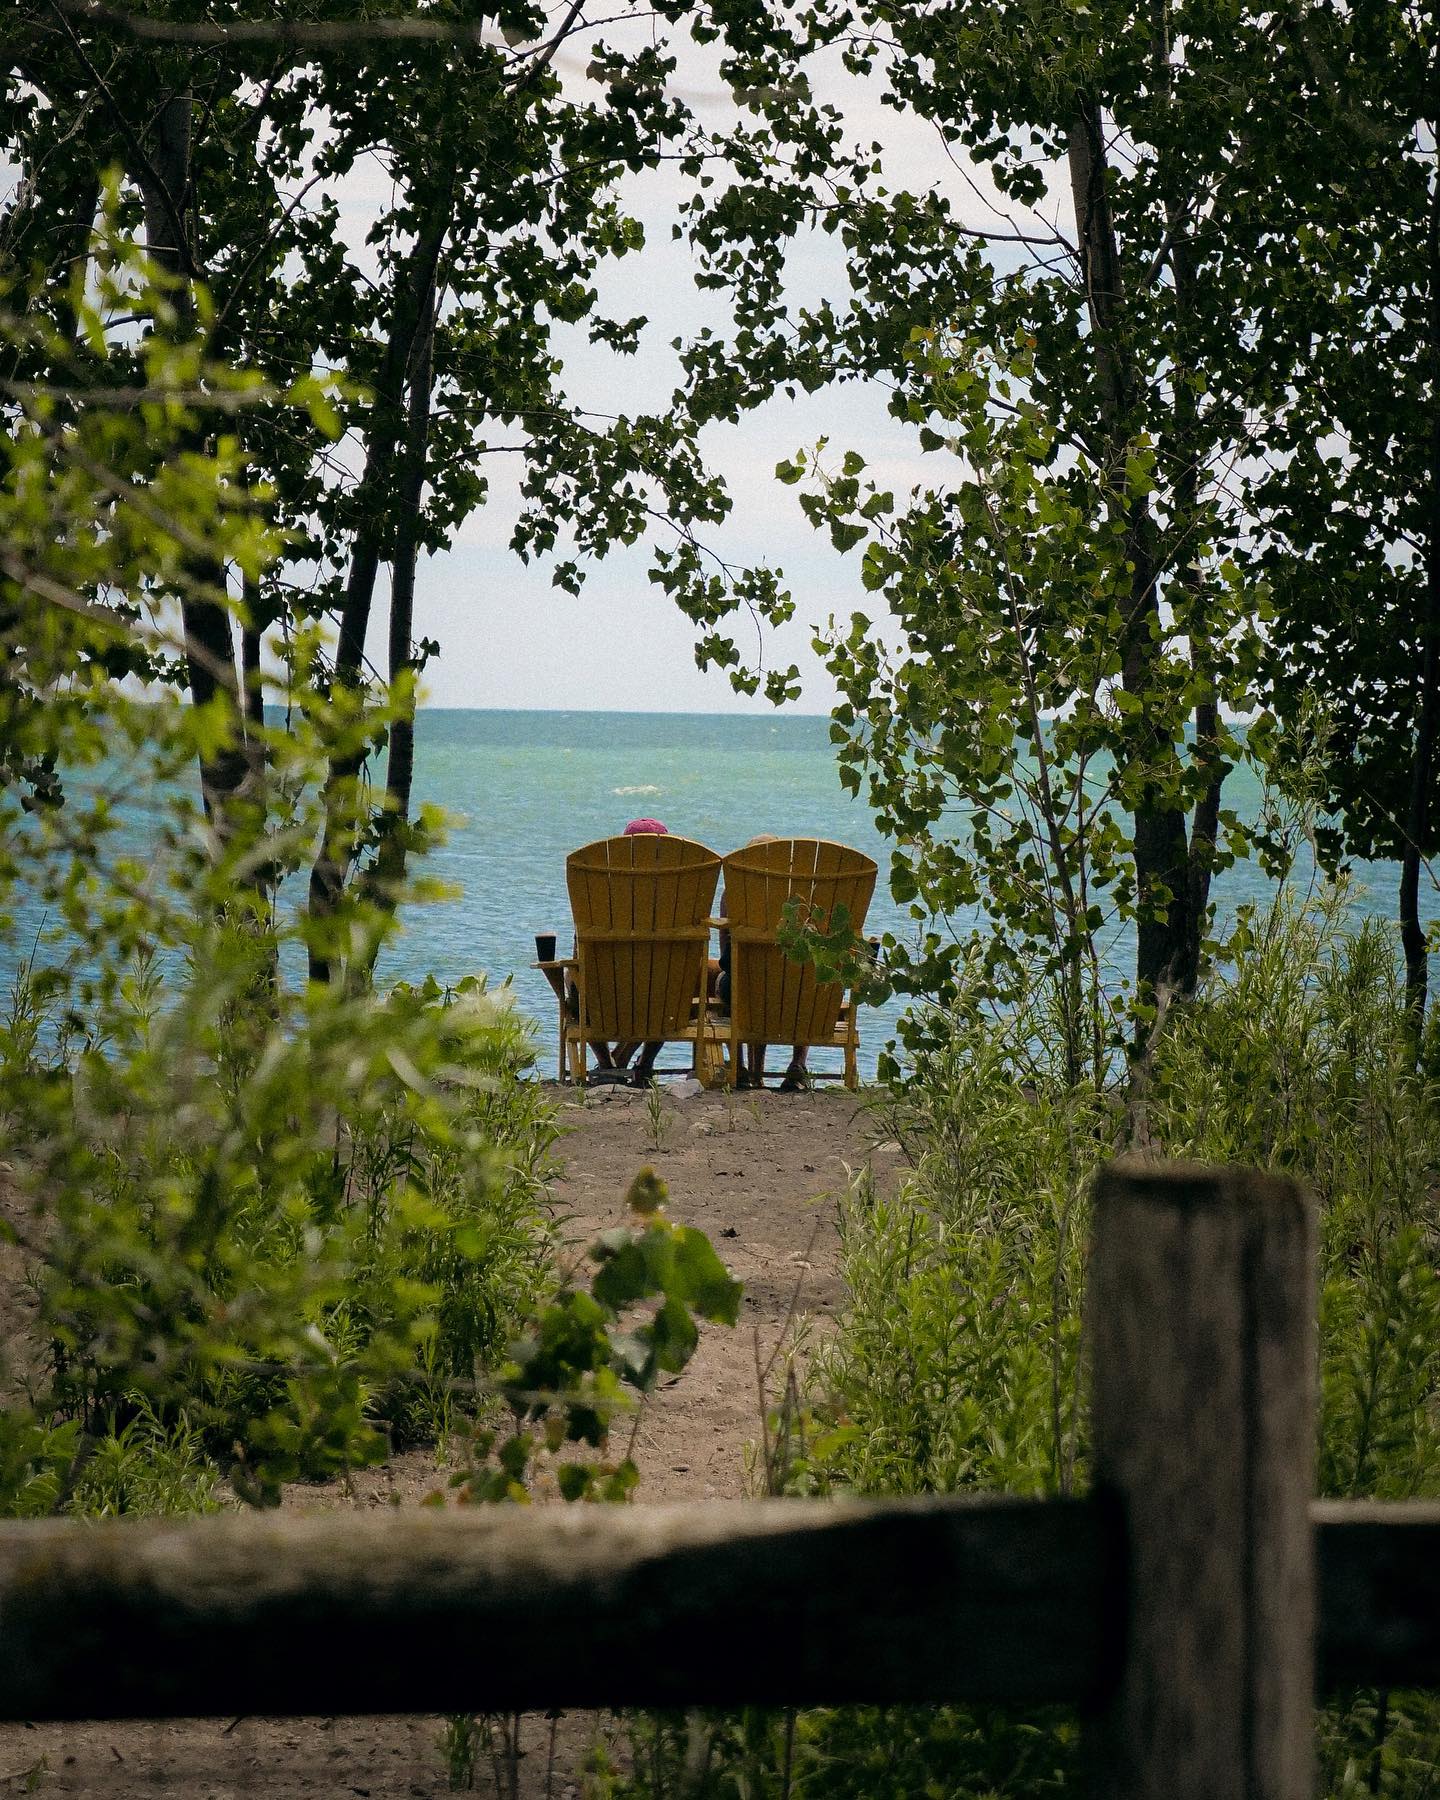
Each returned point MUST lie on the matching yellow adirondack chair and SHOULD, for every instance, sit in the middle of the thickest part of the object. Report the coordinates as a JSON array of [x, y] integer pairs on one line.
[[774, 1000], [642, 943]]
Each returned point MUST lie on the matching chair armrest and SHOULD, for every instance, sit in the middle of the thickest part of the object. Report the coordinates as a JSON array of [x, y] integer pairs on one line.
[[559, 962]]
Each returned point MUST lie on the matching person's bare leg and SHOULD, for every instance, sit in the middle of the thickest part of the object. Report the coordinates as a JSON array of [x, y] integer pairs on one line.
[[641, 1074], [598, 1047], [796, 1076], [756, 1065], [623, 1053]]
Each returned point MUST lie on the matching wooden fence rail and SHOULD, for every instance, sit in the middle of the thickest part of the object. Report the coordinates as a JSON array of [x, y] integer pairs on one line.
[[1192, 1604], [765, 1602]]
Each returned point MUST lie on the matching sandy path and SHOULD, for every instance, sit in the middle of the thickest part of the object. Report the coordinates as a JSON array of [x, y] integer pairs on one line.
[[759, 1175]]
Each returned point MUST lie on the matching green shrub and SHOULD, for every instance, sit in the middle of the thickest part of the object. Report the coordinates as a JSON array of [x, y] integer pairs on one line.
[[307, 1240], [146, 1466], [957, 1362], [285, 1224]]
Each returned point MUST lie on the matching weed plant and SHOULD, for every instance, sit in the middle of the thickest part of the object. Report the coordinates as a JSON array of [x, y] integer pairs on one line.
[[656, 1120], [149, 1467], [285, 1237], [958, 1363], [584, 1361]]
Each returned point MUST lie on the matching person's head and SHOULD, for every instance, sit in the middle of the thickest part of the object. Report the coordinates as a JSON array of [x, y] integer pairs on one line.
[[761, 837], [645, 828]]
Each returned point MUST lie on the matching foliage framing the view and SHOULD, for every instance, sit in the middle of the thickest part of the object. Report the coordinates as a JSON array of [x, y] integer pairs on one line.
[[265, 1221]]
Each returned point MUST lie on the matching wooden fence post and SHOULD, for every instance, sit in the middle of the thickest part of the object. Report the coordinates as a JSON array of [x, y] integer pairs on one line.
[[1202, 1306]]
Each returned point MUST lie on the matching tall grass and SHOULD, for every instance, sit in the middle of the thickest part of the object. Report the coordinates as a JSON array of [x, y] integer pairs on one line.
[[959, 1361], [288, 1236]]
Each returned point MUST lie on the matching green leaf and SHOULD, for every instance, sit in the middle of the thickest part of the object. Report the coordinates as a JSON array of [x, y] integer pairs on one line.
[[703, 1280], [575, 1480], [624, 1277]]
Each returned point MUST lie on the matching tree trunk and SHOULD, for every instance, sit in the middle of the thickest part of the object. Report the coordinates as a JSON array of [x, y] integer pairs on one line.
[[387, 872], [82, 204], [1204, 832], [261, 612], [1159, 827], [258, 618], [1100, 263], [205, 618], [1419, 822], [252, 639], [414, 293], [414, 304], [1185, 457], [1162, 879]]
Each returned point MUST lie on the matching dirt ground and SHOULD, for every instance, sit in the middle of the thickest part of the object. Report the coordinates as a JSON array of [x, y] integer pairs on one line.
[[759, 1174]]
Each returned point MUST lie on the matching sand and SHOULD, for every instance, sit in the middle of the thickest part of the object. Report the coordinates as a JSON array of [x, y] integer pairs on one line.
[[760, 1175]]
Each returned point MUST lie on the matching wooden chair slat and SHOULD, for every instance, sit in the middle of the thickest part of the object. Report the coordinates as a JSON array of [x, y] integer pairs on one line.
[[641, 906], [774, 1000], [642, 896]]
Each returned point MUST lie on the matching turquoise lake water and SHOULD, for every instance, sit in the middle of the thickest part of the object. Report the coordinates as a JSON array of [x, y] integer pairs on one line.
[[525, 788], [531, 786]]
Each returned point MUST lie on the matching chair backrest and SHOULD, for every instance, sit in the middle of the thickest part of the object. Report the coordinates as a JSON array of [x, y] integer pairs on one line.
[[642, 942], [774, 1000]]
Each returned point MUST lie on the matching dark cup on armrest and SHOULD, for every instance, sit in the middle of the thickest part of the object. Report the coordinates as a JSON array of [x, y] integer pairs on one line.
[[544, 946]]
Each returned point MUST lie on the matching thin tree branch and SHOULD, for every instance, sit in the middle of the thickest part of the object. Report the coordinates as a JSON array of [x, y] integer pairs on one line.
[[173, 207]]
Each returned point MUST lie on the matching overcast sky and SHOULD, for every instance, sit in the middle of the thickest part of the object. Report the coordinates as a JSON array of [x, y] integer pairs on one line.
[[507, 637]]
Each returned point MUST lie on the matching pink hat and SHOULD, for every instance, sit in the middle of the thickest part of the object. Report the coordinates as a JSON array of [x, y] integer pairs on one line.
[[640, 827]]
